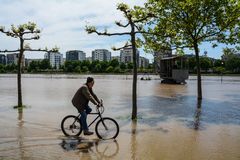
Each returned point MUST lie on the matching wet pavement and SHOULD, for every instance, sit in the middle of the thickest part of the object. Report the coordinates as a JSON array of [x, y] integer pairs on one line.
[[170, 123]]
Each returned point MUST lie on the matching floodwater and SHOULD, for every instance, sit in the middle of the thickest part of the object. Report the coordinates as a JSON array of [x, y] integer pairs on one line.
[[170, 125]]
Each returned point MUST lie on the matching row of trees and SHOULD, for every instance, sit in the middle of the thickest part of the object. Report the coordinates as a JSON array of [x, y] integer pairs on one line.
[[112, 66], [230, 64], [207, 65]]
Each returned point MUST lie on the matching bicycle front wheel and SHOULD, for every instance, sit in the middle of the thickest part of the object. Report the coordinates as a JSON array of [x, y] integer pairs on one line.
[[107, 128], [71, 126]]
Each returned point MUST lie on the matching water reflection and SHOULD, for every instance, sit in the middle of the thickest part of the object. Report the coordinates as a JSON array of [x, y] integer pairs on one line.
[[101, 149], [197, 115], [20, 137], [133, 140]]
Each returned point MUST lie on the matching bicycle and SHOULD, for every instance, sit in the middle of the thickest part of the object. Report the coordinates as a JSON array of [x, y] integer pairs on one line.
[[105, 128]]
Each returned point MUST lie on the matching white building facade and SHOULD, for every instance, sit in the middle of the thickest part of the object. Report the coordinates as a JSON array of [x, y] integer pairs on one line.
[[55, 59], [126, 55], [101, 55]]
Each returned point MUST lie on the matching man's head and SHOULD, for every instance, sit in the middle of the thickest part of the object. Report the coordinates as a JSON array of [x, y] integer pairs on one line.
[[90, 82]]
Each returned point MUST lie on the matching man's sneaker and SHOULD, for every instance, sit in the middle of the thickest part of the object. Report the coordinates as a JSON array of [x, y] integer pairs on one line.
[[87, 133]]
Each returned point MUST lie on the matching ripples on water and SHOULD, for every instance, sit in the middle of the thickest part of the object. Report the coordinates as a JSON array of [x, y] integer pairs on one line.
[[170, 125]]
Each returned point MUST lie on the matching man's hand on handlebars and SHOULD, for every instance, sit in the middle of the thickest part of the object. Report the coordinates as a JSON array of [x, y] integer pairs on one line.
[[100, 104]]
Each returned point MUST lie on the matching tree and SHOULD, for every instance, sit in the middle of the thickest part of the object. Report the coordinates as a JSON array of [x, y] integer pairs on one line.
[[114, 63], [2, 68], [186, 24], [93, 65], [109, 69], [228, 53], [23, 32], [233, 64], [122, 66], [86, 65], [33, 66], [44, 64], [97, 68], [130, 65], [68, 66], [84, 69], [104, 65], [205, 63], [231, 59], [218, 63], [133, 22]]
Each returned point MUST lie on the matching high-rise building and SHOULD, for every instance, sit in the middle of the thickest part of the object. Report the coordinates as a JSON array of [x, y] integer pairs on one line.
[[75, 55], [13, 58], [55, 59], [3, 59], [126, 55], [101, 55]]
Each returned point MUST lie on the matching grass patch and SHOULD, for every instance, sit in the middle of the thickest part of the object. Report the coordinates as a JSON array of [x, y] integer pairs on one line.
[[21, 107]]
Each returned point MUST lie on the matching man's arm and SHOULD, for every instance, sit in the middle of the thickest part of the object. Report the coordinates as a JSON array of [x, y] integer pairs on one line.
[[88, 95], [95, 97]]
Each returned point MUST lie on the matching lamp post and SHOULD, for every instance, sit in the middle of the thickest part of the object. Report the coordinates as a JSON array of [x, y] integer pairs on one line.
[[221, 71]]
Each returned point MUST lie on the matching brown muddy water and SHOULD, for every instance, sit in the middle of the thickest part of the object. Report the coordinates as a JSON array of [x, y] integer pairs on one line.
[[169, 126]]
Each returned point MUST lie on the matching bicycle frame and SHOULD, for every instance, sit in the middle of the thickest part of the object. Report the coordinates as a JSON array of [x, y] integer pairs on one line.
[[95, 113]]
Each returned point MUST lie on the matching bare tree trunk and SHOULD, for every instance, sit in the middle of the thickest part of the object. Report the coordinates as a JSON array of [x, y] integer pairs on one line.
[[19, 83], [199, 81], [134, 86]]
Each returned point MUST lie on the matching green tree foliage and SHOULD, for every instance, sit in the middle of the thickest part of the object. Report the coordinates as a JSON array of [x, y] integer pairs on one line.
[[33, 66], [179, 24], [45, 64], [205, 63], [38, 66], [104, 65], [231, 59], [109, 69], [114, 63], [85, 69], [117, 70], [2, 68], [123, 66], [97, 68], [218, 63], [130, 65], [233, 64]]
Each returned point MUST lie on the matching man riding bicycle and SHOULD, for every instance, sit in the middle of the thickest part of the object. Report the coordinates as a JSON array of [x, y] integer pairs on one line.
[[80, 100]]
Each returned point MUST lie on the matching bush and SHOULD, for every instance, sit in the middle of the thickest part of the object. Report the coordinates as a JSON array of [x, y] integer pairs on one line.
[[117, 70], [109, 69]]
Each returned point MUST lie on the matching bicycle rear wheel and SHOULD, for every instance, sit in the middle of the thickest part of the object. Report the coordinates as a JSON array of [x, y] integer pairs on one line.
[[107, 128], [71, 126]]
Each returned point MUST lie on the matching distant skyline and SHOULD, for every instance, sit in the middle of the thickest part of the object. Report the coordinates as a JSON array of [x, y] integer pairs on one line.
[[62, 24]]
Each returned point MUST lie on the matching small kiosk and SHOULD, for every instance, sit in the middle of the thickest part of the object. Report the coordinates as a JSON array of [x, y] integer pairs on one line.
[[173, 70]]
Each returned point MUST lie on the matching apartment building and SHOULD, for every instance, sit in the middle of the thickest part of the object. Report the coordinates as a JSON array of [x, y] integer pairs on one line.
[[101, 55], [73, 55], [55, 59]]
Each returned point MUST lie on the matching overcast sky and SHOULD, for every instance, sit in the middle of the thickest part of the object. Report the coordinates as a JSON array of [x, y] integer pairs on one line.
[[62, 24]]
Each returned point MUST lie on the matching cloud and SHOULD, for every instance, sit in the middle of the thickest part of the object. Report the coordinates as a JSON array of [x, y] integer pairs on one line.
[[63, 21]]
